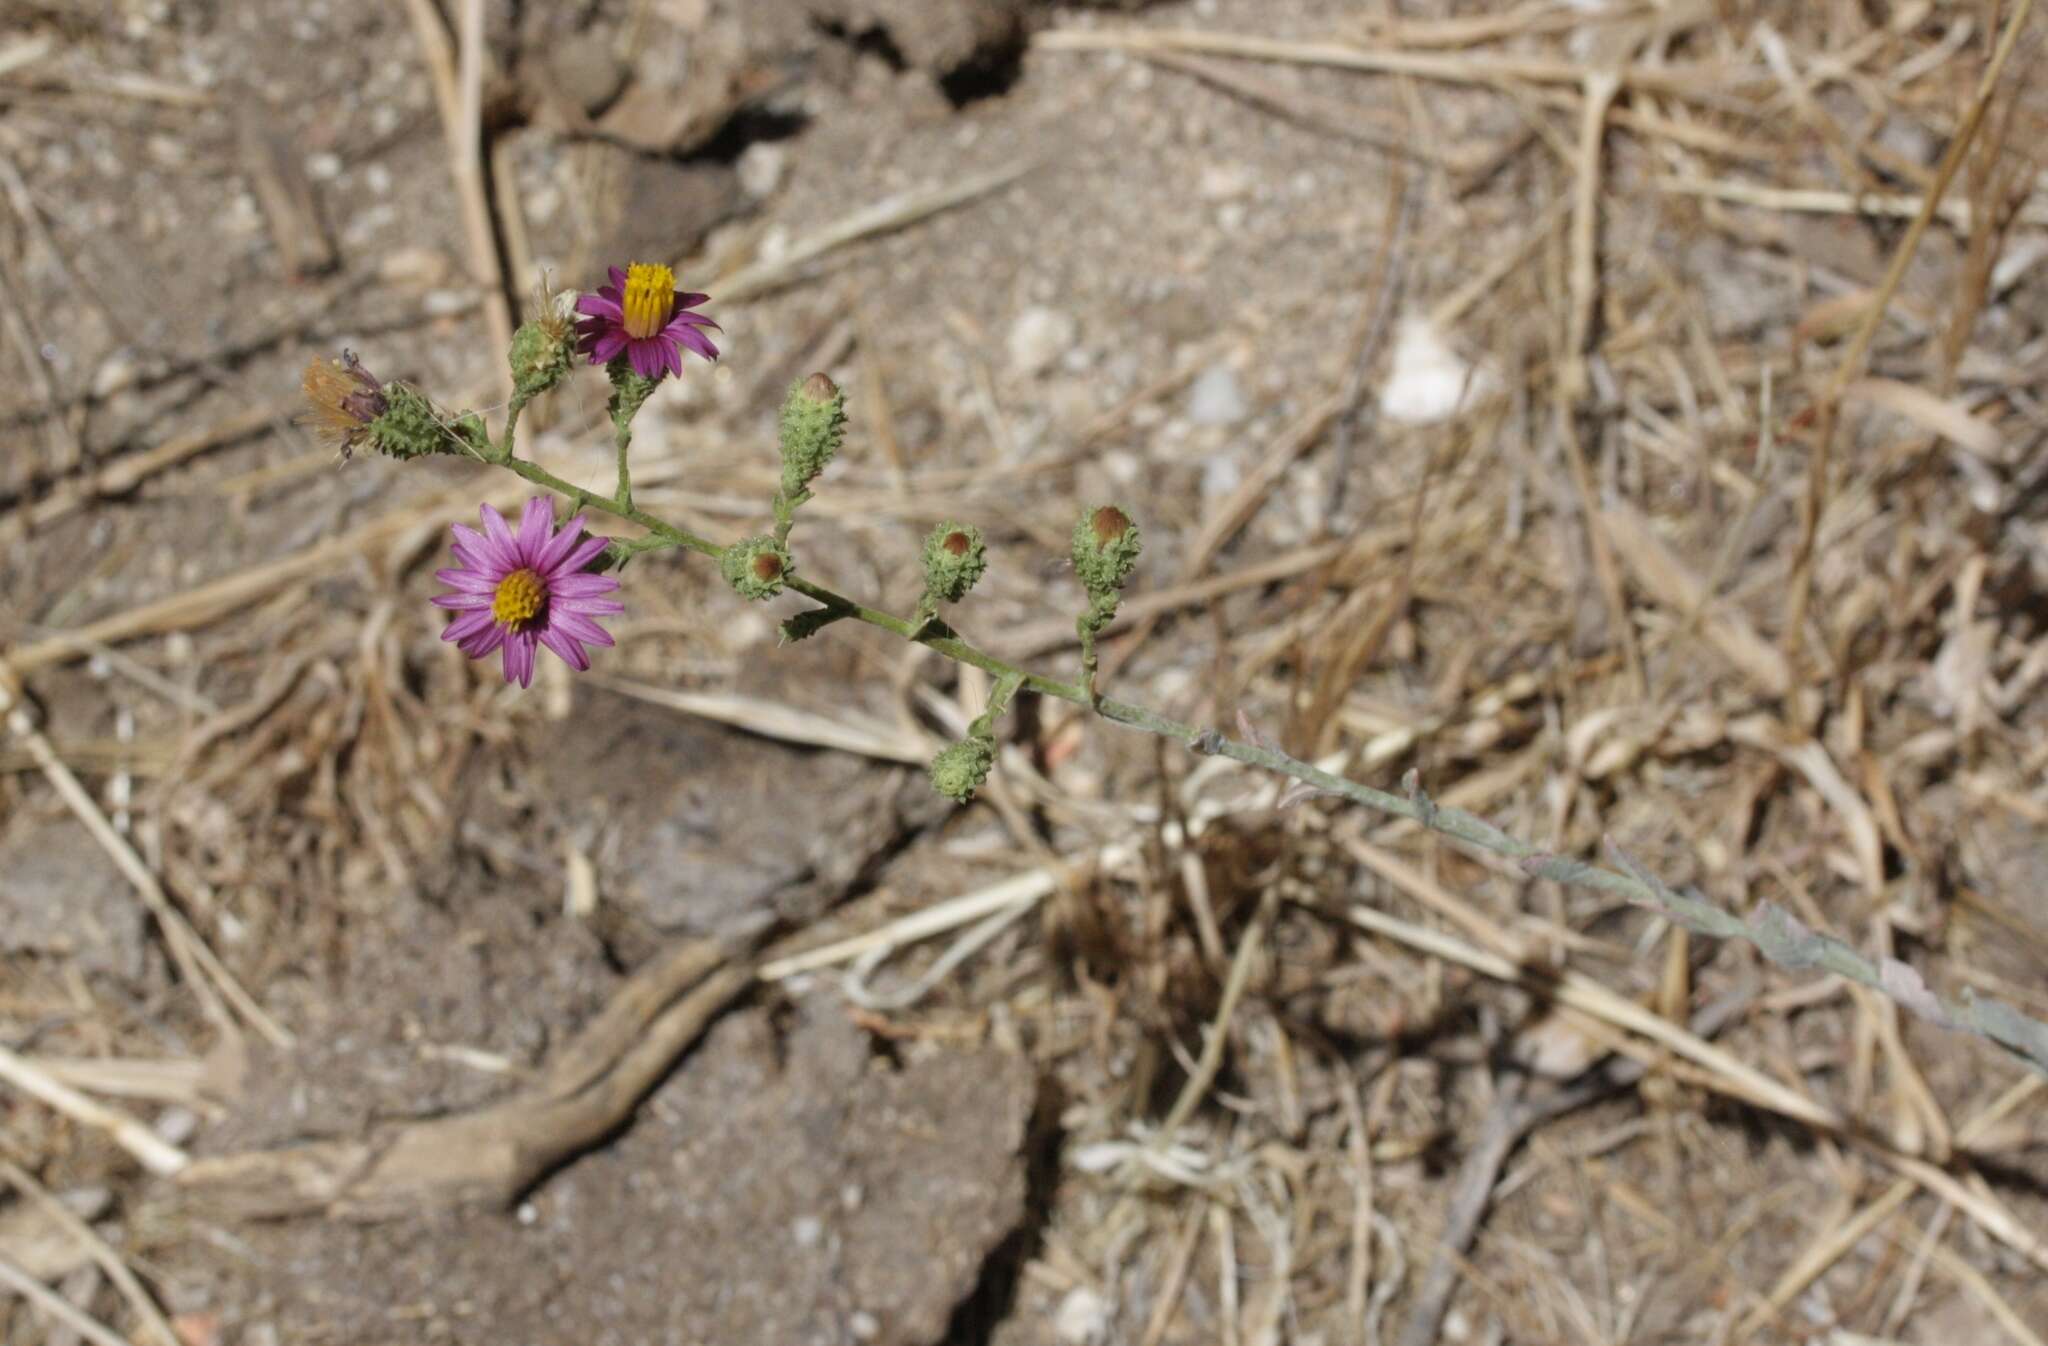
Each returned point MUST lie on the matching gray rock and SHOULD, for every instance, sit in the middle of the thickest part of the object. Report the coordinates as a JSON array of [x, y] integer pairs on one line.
[[942, 37], [61, 894]]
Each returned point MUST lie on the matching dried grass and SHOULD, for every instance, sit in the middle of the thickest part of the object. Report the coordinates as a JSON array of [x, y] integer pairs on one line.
[[1600, 619]]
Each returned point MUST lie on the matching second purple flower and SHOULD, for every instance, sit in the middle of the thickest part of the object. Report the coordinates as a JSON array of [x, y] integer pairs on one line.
[[641, 316]]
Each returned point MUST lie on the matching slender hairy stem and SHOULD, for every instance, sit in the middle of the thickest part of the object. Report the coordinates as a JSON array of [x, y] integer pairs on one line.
[[511, 435], [624, 495], [1089, 663], [1776, 935]]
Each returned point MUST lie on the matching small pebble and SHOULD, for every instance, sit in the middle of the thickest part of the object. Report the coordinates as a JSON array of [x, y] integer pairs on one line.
[[761, 167], [1038, 337], [1082, 1317], [1217, 398], [176, 1125], [1224, 182]]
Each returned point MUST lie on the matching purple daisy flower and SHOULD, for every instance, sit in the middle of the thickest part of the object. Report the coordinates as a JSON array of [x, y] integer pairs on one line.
[[640, 315], [517, 592]]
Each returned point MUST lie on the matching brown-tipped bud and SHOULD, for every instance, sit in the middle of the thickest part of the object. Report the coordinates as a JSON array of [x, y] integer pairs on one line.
[[756, 566], [1105, 549], [813, 426], [954, 557]]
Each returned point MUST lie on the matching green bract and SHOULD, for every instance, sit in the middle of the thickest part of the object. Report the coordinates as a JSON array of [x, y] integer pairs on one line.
[[629, 391], [409, 426]]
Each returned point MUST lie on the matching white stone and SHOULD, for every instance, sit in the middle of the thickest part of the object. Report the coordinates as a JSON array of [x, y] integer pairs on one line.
[[1428, 380], [1217, 398], [1038, 337], [761, 167], [1224, 182], [1082, 1317]]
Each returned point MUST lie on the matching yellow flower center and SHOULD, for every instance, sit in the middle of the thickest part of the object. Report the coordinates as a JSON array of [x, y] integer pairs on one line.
[[518, 599], [649, 300]]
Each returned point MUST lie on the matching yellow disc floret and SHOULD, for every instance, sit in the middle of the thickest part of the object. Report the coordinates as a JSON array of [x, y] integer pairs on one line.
[[518, 600], [649, 300]]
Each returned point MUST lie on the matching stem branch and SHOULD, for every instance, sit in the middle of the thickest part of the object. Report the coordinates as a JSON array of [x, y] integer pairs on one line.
[[1792, 946]]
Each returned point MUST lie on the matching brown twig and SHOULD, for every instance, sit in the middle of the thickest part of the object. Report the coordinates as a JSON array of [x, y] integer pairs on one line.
[[458, 93], [492, 1155]]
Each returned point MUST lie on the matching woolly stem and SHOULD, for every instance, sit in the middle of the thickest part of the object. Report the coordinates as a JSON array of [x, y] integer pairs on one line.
[[1775, 935]]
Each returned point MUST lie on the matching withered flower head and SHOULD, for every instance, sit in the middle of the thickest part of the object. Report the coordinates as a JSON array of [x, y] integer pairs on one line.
[[342, 399]]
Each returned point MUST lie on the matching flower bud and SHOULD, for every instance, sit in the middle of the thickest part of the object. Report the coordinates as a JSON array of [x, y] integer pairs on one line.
[[960, 768], [540, 356], [1105, 549], [410, 427], [813, 427], [954, 558], [756, 566]]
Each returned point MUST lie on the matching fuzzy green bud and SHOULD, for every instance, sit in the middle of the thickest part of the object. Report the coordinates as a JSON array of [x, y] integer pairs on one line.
[[756, 566], [410, 427], [630, 391], [1105, 550], [541, 355], [954, 558], [960, 768], [813, 427]]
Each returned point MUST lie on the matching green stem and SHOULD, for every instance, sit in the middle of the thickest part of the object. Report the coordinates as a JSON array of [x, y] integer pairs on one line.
[[1086, 628], [2024, 1038], [511, 435], [984, 725], [785, 511], [624, 496], [1451, 822]]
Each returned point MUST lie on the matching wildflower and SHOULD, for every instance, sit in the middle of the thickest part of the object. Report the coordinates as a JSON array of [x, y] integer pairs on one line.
[[515, 592], [343, 399], [640, 316]]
